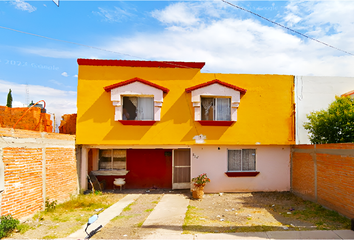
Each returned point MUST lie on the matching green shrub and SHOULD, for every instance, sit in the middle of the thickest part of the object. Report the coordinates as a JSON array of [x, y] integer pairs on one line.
[[7, 225], [50, 205]]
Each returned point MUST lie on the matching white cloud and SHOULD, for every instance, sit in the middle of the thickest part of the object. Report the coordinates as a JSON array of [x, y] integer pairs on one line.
[[113, 15], [57, 101], [76, 75], [231, 44], [178, 13], [65, 74], [24, 6]]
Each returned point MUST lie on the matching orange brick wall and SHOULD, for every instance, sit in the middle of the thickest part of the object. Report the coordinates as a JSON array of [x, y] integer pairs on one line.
[[23, 181], [68, 124], [23, 170], [60, 171], [324, 173], [32, 120]]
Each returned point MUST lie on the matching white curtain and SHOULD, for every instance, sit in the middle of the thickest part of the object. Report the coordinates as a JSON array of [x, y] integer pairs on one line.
[[223, 111], [206, 104], [145, 108]]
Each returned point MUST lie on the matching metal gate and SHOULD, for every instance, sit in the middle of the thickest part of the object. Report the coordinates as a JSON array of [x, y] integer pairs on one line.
[[181, 169]]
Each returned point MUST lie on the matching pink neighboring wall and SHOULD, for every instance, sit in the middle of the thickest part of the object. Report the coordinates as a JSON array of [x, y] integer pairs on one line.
[[273, 163]]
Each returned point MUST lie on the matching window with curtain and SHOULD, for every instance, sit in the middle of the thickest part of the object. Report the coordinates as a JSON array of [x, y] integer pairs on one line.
[[242, 160], [112, 159], [216, 109], [138, 108]]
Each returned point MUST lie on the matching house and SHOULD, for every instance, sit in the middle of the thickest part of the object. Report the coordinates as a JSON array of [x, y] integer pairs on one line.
[[315, 93], [158, 124]]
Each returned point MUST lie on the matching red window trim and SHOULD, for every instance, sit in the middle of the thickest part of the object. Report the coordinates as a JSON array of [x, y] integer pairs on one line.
[[242, 174], [216, 123], [137, 122]]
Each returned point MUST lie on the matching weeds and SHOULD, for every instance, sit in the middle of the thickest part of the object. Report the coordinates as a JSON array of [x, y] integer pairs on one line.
[[50, 205], [7, 225]]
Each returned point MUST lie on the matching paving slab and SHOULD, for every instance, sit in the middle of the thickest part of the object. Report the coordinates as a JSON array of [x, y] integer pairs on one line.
[[317, 234], [243, 235], [344, 234], [106, 216], [168, 216]]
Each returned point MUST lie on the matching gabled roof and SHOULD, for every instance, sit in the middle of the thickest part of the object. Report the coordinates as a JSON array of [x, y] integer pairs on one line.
[[243, 91], [348, 93], [133, 63], [120, 84]]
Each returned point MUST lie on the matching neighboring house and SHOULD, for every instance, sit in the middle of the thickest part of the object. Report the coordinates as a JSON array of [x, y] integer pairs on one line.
[[314, 94], [159, 124]]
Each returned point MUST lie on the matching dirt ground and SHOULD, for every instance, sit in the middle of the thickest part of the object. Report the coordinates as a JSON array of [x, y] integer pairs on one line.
[[215, 213]]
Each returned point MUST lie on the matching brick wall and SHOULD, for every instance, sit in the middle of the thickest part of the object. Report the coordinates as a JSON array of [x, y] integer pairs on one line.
[[324, 173], [36, 166], [32, 120], [68, 124]]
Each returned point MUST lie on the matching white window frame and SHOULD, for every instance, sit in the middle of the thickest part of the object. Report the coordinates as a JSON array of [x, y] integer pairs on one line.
[[255, 156]]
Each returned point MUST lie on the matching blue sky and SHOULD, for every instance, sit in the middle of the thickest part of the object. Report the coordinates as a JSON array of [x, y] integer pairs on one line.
[[227, 39]]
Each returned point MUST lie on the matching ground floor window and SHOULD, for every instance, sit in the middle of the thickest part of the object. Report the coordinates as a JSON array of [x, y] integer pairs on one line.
[[112, 159], [242, 160]]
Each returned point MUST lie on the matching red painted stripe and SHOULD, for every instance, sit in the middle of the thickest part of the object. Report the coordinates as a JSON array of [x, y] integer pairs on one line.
[[216, 123], [242, 90], [136, 122], [120, 84], [133, 63], [242, 174]]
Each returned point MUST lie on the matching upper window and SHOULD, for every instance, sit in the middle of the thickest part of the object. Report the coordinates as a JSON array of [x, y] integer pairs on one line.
[[216, 109], [215, 102], [137, 100], [112, 159], [138, 108], [242, 160]]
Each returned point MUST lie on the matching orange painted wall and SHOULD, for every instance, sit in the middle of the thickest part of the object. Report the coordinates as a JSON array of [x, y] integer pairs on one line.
[[265, 114]]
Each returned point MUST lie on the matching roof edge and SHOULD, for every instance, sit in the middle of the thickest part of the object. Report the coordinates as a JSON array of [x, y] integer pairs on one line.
[[138, 63]]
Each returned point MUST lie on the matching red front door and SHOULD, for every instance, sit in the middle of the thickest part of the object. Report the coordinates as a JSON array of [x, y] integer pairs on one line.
[[149, 168]]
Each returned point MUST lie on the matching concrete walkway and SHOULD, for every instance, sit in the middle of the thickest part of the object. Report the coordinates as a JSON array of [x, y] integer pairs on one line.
[[106, 216], [168, 217]]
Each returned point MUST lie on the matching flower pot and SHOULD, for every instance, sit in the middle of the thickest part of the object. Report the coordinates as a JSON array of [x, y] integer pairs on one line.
[[198, 193]]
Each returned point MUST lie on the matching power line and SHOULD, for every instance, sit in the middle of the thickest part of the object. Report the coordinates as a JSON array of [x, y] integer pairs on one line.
[[316, 40], [88, 46]]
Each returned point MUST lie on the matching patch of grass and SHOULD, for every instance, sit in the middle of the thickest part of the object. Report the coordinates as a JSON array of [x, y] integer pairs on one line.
[[149, 210], [23, 227], [140, 223], [128, 208], [155, 202]]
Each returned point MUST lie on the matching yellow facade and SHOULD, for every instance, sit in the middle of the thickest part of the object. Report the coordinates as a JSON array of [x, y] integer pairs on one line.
[[265, 115]]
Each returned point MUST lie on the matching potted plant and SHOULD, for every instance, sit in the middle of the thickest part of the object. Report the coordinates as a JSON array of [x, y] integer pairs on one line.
[[199, 183]]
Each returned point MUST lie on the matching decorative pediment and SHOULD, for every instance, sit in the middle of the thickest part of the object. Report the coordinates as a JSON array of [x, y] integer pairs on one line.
[[351, 93], [136, 87], [215, 88]]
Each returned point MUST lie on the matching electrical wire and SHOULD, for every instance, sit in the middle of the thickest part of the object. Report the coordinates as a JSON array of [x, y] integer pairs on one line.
[[88, 46], [280, 25]]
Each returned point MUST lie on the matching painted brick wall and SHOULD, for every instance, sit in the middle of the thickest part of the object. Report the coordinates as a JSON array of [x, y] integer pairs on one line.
[[324, 173], [36, 166]]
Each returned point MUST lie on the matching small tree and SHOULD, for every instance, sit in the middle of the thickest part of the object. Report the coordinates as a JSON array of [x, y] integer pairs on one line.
[[9, 99], [334, 125]]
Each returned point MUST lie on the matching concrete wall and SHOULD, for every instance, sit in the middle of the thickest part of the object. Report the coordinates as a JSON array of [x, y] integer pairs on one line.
[[36, 166], [273, 163], [324, 174], [314, 94]]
